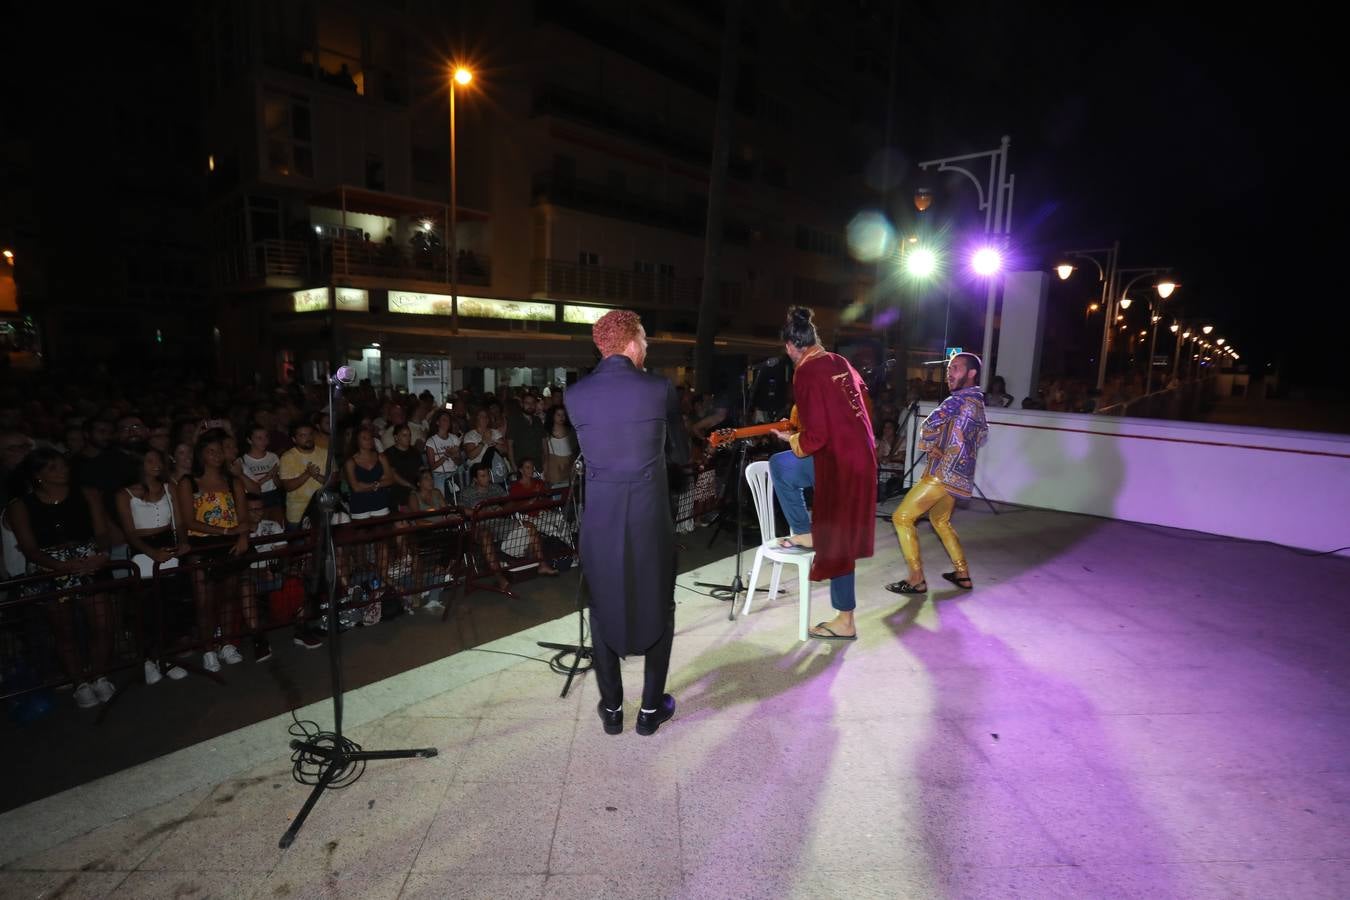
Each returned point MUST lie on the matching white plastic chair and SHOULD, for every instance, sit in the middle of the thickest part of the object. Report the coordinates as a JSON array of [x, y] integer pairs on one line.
[[761, 488]]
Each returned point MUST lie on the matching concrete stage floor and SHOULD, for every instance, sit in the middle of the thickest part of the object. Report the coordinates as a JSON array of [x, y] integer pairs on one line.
[[1115, 711]]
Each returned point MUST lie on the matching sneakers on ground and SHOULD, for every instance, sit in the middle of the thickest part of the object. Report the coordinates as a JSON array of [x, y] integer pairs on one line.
[[152, 672], [230, 654], [308, 640], [262, 651], [104, 690], [84, 696], [176, 673], [210, 662]]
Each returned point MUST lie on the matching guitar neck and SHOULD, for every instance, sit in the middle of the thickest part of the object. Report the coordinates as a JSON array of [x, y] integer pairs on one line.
[[727, 435]]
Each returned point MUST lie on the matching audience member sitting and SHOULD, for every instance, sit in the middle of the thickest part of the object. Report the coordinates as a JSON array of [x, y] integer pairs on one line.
[[997, 395], [497, 527], [61, 528]]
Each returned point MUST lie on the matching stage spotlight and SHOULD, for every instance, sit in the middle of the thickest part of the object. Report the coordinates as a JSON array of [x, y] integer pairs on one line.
[[921, 262], [986, 261]]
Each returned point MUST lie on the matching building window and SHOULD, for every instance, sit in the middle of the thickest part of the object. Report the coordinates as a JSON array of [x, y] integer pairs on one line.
[[429, 166], [813, 240], [663, 270], [374, 172], [290, 150]]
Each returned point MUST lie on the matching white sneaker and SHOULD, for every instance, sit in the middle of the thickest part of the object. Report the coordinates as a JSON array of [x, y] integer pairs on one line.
[[84, 696], [152, 672], [210, 662], [104, 690], [230, 653], [177, 673]]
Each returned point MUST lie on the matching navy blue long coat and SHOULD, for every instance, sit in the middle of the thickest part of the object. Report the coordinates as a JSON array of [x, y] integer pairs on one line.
[[629, 427]]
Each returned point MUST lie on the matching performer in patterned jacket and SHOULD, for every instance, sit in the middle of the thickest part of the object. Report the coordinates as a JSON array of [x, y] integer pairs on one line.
[[952, 434]]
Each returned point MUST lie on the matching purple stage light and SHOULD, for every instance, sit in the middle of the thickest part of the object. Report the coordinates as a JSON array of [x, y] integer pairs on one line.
[[986, 261]]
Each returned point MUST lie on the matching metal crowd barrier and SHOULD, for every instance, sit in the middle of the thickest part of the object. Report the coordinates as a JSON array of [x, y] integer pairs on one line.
[[507, 535]]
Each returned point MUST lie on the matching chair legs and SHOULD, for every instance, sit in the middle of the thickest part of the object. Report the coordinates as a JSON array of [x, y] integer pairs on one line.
[[754, 579], [804, 602]]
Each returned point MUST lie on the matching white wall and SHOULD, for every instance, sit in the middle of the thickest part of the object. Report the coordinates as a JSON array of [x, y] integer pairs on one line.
[[1289, 487]]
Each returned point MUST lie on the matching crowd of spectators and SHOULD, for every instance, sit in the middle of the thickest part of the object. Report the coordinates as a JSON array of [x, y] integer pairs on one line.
[[187, 471]]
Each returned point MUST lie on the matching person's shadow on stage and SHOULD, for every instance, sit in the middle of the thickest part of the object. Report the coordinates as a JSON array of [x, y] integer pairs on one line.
[[1019, 756]]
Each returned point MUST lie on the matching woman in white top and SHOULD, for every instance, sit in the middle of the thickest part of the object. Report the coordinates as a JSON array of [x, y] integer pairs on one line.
[[560, 447], [485, 444], [443, 453], [259, 468], [148, 512]]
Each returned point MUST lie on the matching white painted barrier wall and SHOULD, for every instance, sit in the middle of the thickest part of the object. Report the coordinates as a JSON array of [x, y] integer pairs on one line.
[[1290, 487]]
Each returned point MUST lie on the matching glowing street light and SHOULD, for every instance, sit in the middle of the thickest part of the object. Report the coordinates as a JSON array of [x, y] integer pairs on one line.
[[1207, 328], [1220, 342], [1166, 287], [459, 76], [987, 261], [921, 263], [1064, 270], [1125, 302], [1174, 328]]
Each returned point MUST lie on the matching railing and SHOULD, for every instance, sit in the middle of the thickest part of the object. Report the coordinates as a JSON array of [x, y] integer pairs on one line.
[[262, 259], [566, 280], [275, 258], [349, 257], [53, 634], [1188, 401], [618, 202]]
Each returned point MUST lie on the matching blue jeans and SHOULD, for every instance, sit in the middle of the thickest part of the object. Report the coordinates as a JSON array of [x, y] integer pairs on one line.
[[792, 475]]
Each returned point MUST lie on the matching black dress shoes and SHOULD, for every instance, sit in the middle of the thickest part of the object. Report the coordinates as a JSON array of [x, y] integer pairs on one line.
[[648, 722], [613, 721]]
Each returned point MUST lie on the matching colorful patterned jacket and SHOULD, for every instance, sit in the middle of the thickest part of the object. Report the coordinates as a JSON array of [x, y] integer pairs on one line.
[[951, 436]]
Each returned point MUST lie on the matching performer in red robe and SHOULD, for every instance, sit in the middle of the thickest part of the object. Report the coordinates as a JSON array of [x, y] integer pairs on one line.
[[834, 451]]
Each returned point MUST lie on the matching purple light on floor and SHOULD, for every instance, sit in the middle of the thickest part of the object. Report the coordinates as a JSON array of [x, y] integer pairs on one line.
[[986, 261]]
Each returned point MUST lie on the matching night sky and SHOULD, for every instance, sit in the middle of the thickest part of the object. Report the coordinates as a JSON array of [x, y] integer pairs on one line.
[[1182, 139], [1176, 138]]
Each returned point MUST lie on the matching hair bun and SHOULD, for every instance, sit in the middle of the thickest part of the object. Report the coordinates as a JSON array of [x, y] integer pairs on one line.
[[801, 314]]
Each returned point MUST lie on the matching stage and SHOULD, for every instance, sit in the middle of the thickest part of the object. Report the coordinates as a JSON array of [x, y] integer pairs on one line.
[[1115, 711]]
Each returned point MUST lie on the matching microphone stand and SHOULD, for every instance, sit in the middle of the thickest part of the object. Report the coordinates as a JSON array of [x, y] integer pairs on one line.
[[328, 760], [737, 586], [578, 651]]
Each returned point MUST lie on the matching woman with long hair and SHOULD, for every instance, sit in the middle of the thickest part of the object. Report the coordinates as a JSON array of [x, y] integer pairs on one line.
[[560, 447], [217, 503], [444, 452], [148, 511], [61, 528]]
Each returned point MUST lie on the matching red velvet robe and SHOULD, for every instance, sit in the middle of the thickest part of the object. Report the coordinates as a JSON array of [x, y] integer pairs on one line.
[[835, 427]]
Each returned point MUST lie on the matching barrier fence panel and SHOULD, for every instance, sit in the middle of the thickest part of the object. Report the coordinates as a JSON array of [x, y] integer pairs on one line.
[[69, 630], [509, 535]]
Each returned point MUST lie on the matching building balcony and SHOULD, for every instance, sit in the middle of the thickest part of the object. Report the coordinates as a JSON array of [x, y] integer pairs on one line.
[[619, 203], [593, 112], [285, 264], [561, 280]]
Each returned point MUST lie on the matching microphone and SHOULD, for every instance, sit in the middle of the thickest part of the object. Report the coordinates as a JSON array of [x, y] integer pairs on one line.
[[344, 376], [771, 361]]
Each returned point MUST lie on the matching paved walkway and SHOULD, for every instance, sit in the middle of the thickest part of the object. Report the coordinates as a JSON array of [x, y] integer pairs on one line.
[[1115, 711]]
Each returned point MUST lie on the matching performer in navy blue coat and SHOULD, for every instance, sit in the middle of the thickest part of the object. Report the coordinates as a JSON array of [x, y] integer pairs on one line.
[[628, 425]]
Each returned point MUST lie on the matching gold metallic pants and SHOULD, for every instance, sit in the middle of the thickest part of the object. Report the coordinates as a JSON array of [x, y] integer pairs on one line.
[[928, 496]]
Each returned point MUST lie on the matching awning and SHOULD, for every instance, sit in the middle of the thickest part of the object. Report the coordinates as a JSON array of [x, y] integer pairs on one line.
[[393, 206]]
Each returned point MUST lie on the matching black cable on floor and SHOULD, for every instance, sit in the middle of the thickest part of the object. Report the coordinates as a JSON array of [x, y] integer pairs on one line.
[[307, 768]]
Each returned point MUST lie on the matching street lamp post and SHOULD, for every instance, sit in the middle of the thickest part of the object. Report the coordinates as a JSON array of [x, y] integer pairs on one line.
[[1107, 274], [461, 76], [995, 198]]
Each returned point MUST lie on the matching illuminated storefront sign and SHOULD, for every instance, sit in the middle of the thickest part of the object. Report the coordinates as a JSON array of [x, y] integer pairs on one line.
[[315, 299], [520, 310], [583, 315], [421, 304]]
